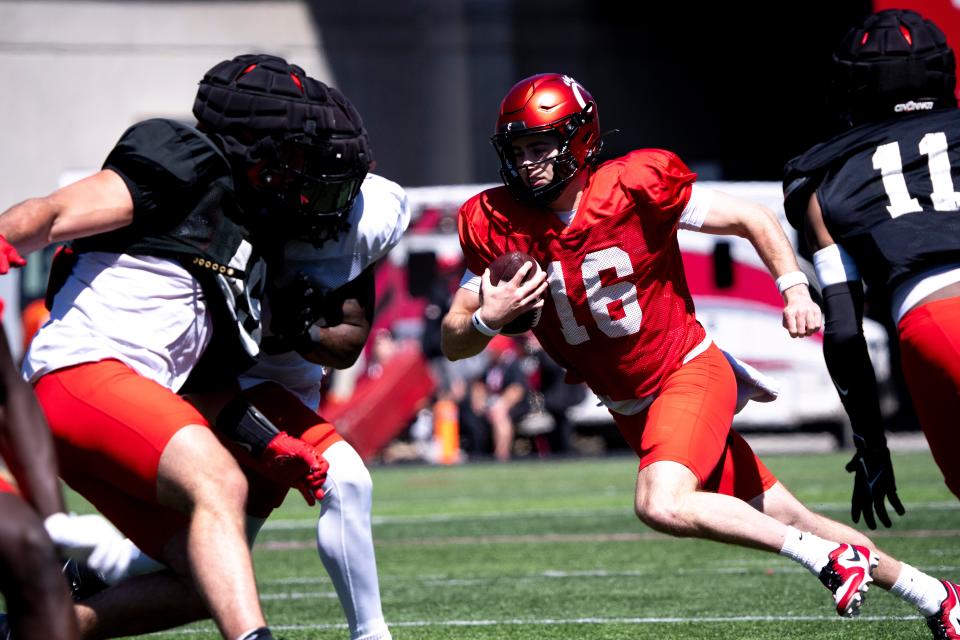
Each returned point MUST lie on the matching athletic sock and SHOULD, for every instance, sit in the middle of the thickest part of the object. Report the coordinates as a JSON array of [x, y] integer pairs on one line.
[[382, 634], [922, 591], [262, 633], [140, 563], [813, 552]]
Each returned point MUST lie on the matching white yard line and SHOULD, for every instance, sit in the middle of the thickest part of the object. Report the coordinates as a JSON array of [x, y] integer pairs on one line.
[[541, 538], [551, 574], [578, 621], [311, 523]]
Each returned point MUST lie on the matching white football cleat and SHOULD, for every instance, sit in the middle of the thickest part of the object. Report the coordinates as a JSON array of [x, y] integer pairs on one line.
[[945, 623]]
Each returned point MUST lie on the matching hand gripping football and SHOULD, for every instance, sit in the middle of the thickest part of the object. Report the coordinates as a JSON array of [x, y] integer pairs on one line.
[[504, 268]]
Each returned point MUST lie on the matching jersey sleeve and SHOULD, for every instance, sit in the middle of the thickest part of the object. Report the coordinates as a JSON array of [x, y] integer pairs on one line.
[[474, 235], [168, 168], [391, 216], [658, 180], [797, 189]]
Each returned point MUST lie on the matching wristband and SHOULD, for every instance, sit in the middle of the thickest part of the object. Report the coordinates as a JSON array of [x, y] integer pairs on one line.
[[482, 326], [791, 279]]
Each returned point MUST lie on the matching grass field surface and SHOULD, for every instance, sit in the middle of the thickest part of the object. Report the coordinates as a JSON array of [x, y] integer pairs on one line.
[[552, 550]]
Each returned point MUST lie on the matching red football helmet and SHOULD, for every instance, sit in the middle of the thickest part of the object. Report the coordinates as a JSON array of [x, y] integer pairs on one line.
[[548, 103]]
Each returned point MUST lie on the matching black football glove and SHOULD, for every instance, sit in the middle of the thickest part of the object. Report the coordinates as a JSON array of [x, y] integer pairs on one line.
[[294, 308], [873, 482]]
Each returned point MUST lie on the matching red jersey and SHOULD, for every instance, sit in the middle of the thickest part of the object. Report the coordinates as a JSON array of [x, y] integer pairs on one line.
[[619, 315]]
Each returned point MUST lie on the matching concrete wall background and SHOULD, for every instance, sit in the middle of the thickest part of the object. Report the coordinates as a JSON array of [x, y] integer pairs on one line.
[[77, 74]]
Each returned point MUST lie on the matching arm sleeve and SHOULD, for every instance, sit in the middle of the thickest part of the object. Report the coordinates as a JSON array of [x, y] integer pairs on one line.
[[168, 168], [848, 361], [658, 181]]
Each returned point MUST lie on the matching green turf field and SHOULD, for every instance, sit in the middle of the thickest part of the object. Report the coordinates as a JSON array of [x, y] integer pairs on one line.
[[552, 550]]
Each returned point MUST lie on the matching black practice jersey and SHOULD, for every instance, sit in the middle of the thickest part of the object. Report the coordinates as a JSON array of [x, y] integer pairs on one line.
[[185, 209], [888, 192]]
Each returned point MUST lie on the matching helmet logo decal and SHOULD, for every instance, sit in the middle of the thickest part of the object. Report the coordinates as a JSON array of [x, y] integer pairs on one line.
[[894, 62], [570, 82], [910, 105], [561, 109]]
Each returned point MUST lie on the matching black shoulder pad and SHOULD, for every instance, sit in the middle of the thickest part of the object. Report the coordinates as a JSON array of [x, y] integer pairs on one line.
[[168, 166]]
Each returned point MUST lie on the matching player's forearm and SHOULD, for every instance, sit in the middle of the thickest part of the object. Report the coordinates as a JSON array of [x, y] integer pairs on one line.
[[458, 338], [770, 242], [96, 204], [28, 225], [336, 347], [28, 446], [30, 456]]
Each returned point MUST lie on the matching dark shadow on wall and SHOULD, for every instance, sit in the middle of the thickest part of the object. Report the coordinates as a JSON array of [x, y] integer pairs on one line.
[[734, 88]]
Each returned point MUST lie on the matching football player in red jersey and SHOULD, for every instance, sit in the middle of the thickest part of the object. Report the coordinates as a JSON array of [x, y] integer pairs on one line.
[[617, 313], [878, 202]]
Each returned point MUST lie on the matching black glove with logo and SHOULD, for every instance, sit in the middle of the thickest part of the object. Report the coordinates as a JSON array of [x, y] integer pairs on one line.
[[873, 483], [294, 308]]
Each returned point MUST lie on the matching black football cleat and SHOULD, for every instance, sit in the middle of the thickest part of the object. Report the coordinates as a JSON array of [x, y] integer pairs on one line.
[[4, 628], [82, 580]]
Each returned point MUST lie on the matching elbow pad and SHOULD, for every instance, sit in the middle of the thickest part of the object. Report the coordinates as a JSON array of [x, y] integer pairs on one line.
[[246, 426]]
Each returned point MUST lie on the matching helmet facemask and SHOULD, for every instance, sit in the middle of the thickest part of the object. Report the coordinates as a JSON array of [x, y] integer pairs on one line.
[[565, 163], [314, 183]]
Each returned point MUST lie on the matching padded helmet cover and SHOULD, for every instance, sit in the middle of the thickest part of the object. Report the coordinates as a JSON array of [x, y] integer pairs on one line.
[[894, 62], [259, 105]]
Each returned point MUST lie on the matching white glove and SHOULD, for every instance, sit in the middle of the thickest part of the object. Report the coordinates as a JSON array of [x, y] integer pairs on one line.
[[91, 539], [751, 384]]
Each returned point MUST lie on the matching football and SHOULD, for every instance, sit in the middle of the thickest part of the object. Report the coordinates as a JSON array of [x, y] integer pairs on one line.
[[504, 268]]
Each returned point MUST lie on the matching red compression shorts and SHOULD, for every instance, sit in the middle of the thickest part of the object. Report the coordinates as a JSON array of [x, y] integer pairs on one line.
[[930, 357], [286, 411], [110, 426], [689, 423]]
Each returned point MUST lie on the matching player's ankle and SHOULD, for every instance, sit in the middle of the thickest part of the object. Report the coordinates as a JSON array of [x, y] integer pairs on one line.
[[917, 588], [813, 552], [260, 633]]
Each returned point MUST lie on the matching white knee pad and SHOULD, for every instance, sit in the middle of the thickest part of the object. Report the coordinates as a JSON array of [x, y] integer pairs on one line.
[[348, 480]]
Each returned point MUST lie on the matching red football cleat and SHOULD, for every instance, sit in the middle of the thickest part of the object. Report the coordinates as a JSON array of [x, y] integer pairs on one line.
[[847, 575], [945, 623]]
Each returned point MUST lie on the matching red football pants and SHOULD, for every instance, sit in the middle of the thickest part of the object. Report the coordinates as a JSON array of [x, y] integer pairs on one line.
[[930, 357], [689, 423], [110, 426]]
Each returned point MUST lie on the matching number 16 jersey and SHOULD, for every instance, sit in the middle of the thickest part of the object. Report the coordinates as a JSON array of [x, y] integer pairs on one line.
[[618, 313]]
